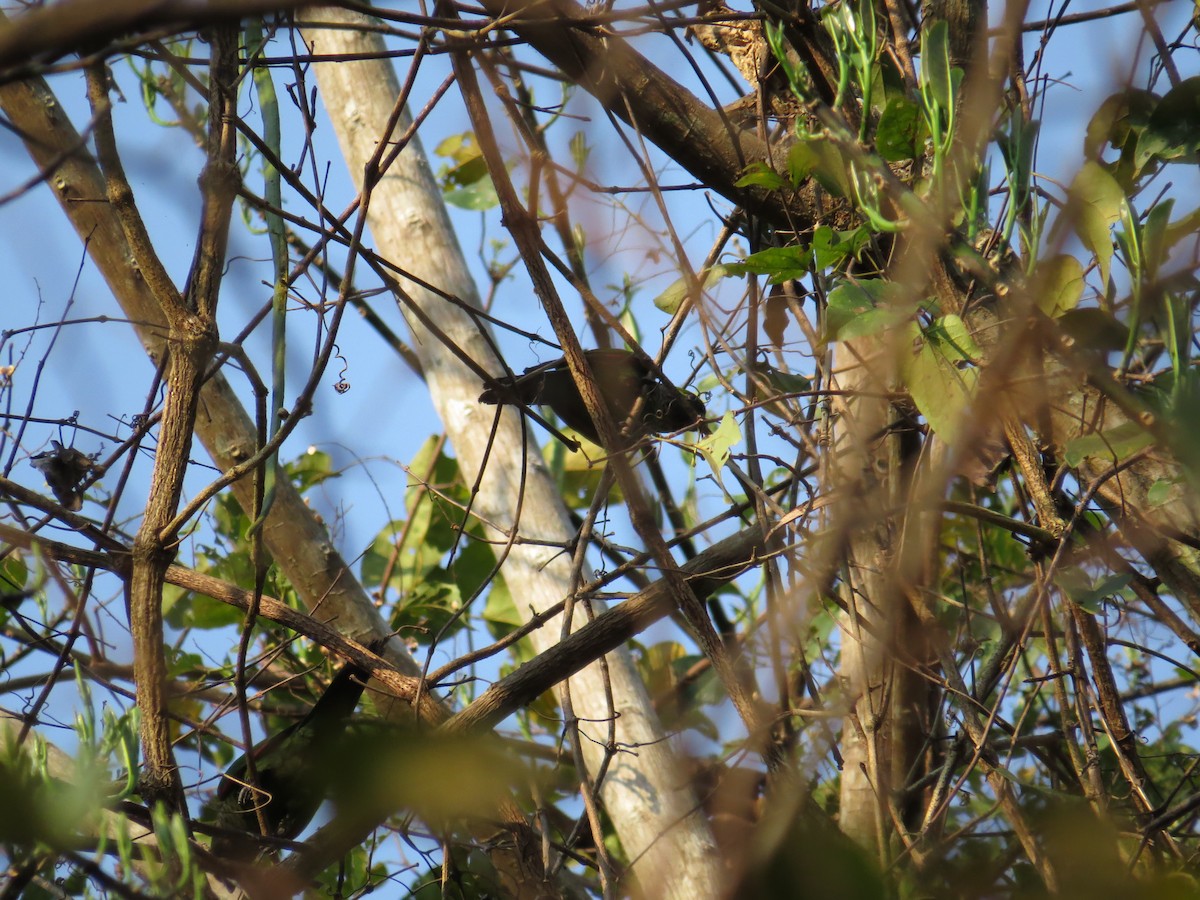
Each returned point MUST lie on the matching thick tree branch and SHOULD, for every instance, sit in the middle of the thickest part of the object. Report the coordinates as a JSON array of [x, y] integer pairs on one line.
[[714, 567], [192, 340], [48, 32], [699, 138]]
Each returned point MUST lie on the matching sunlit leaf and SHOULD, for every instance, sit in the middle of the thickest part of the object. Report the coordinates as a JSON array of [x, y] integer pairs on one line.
[[670, 300], [477, 197], [832, 248], [939, 368], [820, 159], [857, 308], [458, 147], [759, 174], [1058, 285], [14, 573], [1156, 237], [1115, 444], [1096, 200], [580, 151], [779, 263], [715, 448]]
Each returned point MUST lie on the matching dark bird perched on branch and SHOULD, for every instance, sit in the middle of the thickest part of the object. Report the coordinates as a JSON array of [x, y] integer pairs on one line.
[[292, 770], [65, 469], [622, 377]]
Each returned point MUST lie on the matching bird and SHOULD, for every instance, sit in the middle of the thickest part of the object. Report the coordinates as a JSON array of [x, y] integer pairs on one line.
[[622, 377], [292, 772], [65, 470]]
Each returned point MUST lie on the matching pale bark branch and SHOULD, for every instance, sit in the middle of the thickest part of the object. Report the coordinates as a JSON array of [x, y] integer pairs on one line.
[[668, 834]]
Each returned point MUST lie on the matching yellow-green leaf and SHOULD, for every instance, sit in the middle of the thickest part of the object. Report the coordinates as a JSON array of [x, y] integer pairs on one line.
[[939, 368], [1095, 200], [1058, 285], [715, 448], [670, 300]]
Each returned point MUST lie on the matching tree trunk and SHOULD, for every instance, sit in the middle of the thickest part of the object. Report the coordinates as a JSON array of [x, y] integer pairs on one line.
[[881, 731]]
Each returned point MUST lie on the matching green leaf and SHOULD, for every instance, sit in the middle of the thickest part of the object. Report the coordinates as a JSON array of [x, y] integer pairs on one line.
[[670, 300], [1122, 116], [1183, 228], [431, 466], [785, 382], [831, 249], [779, 263], [500, 610], [955, 338], [472, 565], [759, 174], [859, 308], [575, 473], [706, 691], [898, 137], [466, 184], [470, 171], [1085, 593], [1173, 132], [184, 609], [431, 529], [819, 158], [1058, 285], [428, 605], [229, 519], [1159, 492], [1156, 238], [940, 372], [1017, 147], [1095, 201], [14, 573], [629, 323], [580, 151], [1115, 444], [476, 197], [715, 448], [310, 468], [458, 147], [378, 557], [935, 63], [656, 664]]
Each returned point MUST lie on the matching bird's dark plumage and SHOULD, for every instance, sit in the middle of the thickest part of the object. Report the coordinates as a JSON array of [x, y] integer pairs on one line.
[[292, 770], [622, 377]]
